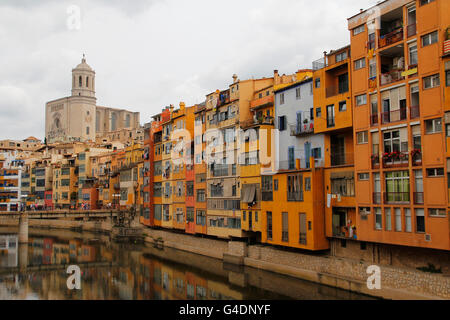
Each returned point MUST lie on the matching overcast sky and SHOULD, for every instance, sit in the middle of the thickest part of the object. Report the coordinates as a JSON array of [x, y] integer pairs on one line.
[[152, 53]]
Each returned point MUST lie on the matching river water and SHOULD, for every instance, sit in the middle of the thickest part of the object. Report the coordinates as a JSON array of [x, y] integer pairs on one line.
[[112, 271]]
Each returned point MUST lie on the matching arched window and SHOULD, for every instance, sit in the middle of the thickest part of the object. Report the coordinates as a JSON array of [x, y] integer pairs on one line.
[[127, 121], [113, 122], [87, 82], [80, 82]]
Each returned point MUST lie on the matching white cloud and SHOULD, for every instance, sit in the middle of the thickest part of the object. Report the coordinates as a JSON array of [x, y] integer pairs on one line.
[[149, 54]]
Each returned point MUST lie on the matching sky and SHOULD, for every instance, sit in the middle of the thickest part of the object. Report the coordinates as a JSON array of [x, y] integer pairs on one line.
[[149, 54]]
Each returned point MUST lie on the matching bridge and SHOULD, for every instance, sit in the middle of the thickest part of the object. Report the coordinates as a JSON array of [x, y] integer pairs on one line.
[[61, 214]]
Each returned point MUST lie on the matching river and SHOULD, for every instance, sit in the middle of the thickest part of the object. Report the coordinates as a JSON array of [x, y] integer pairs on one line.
[[112, 271]]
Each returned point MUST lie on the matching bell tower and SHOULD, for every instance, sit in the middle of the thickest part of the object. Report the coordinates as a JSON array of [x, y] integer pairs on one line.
[[83, 80]]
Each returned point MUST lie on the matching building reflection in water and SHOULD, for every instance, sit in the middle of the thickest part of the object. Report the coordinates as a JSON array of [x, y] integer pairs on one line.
[[111, 271]]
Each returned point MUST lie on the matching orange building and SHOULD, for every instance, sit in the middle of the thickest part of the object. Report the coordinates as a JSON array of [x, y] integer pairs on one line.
[[399, 65], [333, 117]]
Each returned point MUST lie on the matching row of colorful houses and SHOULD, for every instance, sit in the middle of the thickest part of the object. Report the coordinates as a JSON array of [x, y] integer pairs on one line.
[[354, 149]]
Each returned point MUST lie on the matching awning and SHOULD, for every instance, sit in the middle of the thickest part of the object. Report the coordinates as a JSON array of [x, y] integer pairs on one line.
[[248, 193]]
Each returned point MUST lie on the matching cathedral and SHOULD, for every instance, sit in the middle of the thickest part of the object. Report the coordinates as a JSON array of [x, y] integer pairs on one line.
[[78, 118]]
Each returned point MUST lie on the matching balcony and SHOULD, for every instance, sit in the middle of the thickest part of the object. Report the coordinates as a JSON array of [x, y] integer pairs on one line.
[[416, 158], [374, 119], [299, 130], [397, 197], [394, 116], [391, 77], [377, 196], [414, 112], [332, 91], [396, 160], [375, 160], [419, 198], [411, 30], [391, 38], [263, 102], [341, 159]]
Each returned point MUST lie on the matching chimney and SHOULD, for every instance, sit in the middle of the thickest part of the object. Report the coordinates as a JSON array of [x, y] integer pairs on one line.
[[276, 77], [182, 105], [235, 77], [171, 108]]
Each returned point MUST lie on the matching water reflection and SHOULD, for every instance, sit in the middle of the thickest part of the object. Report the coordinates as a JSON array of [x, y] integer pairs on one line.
[[112, 271]]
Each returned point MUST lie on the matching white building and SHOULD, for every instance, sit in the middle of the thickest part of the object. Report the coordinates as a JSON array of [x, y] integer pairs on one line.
[[294, 119]]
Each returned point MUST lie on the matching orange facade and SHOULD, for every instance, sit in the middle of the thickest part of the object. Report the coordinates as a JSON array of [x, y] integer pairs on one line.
[[399, 96]]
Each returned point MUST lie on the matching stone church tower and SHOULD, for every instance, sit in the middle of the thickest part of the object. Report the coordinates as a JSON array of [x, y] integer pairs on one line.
[[78, 118]]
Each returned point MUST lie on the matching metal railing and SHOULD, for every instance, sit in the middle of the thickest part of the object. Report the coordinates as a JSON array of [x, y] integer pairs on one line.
[[391, 38], [411, 30], [397, 197], [400, 159], [419, 198], [415, 112], [342, 159], [332, 91], [391, 77], [394, 116], [377, 197], [374, 119], [298, 130]]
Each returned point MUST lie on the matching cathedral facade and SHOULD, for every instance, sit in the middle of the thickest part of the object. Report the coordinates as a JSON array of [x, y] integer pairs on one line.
[[78, 118]]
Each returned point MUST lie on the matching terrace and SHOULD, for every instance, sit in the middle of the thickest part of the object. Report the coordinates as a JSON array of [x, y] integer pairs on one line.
[[392, 65], [391, 28]]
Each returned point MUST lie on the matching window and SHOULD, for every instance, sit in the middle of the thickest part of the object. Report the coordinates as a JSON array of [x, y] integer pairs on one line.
[[361, 100], [433, 173], [201, 197], [408, 225], [397, 186], [282, 123], [318, 112], [424, 2], [398, 220], [285, 226], [433, 126], [189, 188], [307, 184], [298, 94], [343, 184], [388, 215], [201, 217], [87, 130], [362, 137], [342, 106], [361, 63], [267, 188], [281, 98], [275, 184], [420, 220], [378, 219], [216, 190], [295, 188], [413, 58], [447, 78], [429, 39], [244, 215], [316, 153], [317, 83], [341, 56], [359, 29], [363, 177], [440, 213], [330, 116], [431, 81], [269, 225], [372, 68]]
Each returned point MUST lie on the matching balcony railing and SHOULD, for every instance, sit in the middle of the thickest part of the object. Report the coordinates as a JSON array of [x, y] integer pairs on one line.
[[391, 38], [415, 112], [375, 161], [419, 198], [391, 77], [374, 119], [396, 160], [298, 130], [394, 116], [416, 157], [342, 159], [332, 91], [411, 30], [266, 101], [397, 197], [377, 197]]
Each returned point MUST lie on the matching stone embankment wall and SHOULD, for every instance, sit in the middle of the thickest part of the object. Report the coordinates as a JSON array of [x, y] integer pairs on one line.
[[343, 273]]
